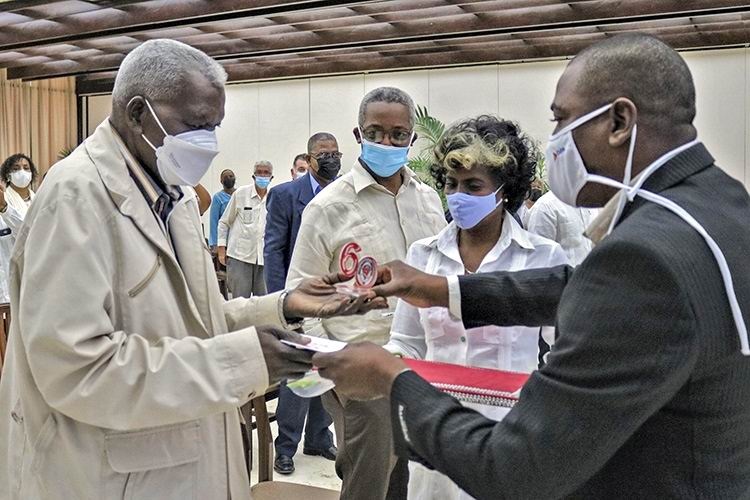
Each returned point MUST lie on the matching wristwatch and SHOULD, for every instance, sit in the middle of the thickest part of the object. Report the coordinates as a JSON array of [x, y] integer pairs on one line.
[[288, 323]]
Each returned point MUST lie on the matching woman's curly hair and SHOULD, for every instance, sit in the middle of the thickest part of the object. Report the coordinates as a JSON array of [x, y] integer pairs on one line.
[[491, 142], [7, 168]]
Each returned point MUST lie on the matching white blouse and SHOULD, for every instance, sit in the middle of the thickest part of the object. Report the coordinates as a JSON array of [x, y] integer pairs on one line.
[[435, 335]]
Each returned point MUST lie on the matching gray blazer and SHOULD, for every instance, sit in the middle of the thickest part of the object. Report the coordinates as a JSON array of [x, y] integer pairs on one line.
[[645, 394]]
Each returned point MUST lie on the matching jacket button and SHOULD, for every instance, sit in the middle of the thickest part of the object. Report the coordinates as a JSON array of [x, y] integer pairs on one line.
[[463, 339], [16, 417]]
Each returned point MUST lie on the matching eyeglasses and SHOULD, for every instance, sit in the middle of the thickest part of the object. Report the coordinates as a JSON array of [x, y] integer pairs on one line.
[[336, 155], [398, 136]]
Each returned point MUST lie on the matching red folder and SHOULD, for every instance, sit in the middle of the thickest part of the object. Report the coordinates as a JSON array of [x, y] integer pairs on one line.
[[471, 384]]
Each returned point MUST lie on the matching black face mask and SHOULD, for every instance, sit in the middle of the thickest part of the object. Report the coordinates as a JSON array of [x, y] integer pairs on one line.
[[228, 182], [328, 167]]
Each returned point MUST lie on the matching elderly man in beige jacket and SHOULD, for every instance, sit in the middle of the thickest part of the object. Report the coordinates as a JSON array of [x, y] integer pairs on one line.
[[125, 367]]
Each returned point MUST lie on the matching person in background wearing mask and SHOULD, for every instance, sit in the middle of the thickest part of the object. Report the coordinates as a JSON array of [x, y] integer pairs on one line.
[[646, 392], [125, 368], [382, 206], [486, 166], [219, 204], [19, 173], [286, 203], [241, 234], [300, 166], [10, 223], [560, 222]]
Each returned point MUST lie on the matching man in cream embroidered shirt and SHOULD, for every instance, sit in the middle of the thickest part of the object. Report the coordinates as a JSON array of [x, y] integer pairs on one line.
[[357, 209]]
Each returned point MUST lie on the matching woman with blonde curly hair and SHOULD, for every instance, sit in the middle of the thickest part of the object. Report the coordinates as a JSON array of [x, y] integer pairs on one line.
[[485, 166]]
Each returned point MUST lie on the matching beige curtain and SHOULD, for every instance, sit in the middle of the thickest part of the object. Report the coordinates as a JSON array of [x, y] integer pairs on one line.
[[37, 118]]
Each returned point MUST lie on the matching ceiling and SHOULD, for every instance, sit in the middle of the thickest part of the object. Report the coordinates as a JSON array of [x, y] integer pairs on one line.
[[266, 39]]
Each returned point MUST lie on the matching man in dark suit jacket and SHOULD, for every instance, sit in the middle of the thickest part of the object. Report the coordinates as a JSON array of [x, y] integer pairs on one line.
[[285, 206], [646, 393]]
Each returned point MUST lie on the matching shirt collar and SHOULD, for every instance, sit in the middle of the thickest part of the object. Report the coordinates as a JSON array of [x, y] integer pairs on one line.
[[447, 241], [362, 179], [314, 183]]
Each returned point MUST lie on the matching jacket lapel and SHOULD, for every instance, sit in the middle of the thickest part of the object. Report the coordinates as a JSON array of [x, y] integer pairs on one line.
[[107, 152], [305, 193], [104, 150]]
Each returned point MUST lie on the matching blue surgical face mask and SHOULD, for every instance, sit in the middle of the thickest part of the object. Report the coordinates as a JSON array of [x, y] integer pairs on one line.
[[384, 161], [262, 182], [468, 210]]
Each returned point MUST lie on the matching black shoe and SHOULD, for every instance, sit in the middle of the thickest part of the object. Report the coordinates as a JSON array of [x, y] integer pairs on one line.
[[283, 464], [328, 453]]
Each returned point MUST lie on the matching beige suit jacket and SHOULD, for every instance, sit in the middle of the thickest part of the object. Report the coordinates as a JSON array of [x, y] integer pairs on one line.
[[125, 367]]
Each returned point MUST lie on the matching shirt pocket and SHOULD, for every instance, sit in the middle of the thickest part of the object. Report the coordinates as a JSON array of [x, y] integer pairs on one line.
[[153, 463], [247, 215]]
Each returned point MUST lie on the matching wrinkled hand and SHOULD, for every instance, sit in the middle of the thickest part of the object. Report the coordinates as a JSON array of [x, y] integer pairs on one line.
[[222, 253], [318, 298], [360, 371], [398, 279], [283, 362]]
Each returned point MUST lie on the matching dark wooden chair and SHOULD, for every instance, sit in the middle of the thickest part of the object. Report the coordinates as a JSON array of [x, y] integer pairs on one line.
[[267, 488]]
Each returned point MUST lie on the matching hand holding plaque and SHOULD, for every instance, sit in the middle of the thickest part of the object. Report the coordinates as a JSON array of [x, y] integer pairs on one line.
[[364, 270]]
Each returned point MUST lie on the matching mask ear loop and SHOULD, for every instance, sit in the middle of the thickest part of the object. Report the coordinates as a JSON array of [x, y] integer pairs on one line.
[[501, 199], [580, 121], [158, 122], [629, 164]]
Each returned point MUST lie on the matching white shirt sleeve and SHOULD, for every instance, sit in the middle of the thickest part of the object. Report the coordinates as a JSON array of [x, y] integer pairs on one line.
[[407, 333], [12, 218], [454, 297], [543, 220], [557, 257]]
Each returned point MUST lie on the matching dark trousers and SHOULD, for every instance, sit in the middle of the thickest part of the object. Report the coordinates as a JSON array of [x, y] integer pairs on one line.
[[245, 279], [290, 416]]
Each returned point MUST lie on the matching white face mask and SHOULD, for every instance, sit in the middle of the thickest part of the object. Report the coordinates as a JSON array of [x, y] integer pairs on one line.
[[567, 172], [184, 159], [568, 175], [20, 178]]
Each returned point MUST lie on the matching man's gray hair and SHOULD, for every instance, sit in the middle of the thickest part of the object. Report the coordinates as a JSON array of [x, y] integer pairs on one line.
[[157, 70], [263, 163], [388, 94]]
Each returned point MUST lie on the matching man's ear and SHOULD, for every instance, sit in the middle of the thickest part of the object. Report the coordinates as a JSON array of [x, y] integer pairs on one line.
[[134, 113], [357, 136], [623, 115]]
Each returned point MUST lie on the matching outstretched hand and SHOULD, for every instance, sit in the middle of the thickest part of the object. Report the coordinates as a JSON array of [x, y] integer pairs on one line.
[[361, 371], [282, 361], [319, 298], [398, 279]]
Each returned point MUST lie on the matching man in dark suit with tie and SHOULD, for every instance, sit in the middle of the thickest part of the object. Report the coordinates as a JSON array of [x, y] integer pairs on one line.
[[285, 206], [646, 393]]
